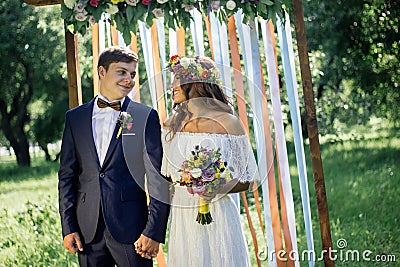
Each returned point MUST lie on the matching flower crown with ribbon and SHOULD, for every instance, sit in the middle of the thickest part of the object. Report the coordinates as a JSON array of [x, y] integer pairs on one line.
[[197, 69]]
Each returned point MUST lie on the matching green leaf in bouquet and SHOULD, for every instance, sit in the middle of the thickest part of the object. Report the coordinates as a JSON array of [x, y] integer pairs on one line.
[[71, 28], [81, 27], [96, 12], [141, 11], [149, 19], [262, 10], [267, 2], [130, 13], [66, 13], [204, 218]]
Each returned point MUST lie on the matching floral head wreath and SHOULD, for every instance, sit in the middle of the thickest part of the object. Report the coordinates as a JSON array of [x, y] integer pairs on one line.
[[195, 69]]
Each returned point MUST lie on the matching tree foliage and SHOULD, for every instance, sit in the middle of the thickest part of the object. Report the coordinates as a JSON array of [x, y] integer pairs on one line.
[[355, 54], [31, 81]]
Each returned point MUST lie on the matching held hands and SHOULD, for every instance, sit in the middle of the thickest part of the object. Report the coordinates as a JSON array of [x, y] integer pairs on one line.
[[146, 247], [72, 243]]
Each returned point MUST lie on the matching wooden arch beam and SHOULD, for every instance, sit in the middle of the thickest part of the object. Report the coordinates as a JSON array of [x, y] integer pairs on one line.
[[71, 48], [312, 128], [43, 2]]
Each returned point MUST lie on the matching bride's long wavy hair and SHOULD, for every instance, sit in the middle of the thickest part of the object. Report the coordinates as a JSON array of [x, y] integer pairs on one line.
[[211, 96]]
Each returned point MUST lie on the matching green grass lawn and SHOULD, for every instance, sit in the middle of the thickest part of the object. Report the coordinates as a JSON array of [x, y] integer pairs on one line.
[[362, 184]]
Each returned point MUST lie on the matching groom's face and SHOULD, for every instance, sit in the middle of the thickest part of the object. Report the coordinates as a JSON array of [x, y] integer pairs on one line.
[[118, 80]]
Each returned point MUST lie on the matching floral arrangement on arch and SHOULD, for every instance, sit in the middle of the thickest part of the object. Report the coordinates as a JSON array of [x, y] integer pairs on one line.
[[80, 14]]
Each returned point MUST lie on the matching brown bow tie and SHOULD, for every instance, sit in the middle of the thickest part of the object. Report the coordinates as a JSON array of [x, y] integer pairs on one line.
[[114, 105]]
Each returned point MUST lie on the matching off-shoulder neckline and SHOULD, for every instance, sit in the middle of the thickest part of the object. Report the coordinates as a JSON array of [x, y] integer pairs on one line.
[[211, 134]]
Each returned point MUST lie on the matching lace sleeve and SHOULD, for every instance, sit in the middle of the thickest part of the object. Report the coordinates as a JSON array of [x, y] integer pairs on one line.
[[238, 153]]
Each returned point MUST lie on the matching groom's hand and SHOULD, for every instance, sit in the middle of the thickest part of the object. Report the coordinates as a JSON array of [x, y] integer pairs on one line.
[[72, 242], [146, 247]]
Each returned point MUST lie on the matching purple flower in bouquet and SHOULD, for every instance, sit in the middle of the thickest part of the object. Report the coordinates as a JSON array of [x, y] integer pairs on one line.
[[199, 188], [207, 175], [190, 190]]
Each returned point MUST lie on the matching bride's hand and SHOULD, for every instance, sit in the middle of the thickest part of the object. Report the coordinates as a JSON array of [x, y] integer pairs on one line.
[[208, 197]]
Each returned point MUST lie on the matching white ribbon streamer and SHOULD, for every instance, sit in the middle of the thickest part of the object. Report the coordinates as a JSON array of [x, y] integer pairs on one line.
[[102, 33], [145, 35], [219, 35], [251, 55], [162, 51], [280, 135], [196, 27], [285, 41]]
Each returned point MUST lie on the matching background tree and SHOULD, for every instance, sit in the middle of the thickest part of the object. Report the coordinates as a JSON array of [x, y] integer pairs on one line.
[[355, 54], [31, 59]]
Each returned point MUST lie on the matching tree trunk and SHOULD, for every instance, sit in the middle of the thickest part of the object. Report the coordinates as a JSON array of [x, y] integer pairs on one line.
[[14, 117], [18, 140], [57, 157], [21, 150], [46, 151]]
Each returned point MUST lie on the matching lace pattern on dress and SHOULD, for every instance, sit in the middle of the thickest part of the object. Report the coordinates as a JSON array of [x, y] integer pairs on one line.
[[235, 150]]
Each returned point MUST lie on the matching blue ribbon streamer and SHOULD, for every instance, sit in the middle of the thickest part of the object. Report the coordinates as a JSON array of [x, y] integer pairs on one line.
[[291, 87]]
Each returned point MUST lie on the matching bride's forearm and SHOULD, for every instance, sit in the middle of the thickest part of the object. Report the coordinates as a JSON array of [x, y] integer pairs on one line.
[[234, 186]]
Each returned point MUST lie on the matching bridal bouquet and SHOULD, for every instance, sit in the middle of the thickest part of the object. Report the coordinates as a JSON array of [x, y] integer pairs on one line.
[[204, 172]]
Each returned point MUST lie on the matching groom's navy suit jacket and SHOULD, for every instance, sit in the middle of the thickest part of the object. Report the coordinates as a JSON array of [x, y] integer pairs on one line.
[[116, 187]]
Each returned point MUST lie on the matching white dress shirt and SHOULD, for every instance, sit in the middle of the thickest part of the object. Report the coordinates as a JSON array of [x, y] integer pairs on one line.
[[104, 121]]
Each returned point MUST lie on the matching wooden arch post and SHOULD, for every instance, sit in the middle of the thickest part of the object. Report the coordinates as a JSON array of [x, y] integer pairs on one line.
[[71, 48], [74, 78], [312, 128]]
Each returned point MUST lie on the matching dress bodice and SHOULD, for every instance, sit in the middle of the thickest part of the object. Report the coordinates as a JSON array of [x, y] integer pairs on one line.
[[235, 150]]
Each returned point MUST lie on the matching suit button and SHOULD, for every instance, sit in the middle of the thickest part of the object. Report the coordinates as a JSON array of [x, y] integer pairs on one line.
[[102, 175]]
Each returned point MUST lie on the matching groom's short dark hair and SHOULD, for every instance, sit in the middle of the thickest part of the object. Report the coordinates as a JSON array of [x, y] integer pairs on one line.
[[115, 54]]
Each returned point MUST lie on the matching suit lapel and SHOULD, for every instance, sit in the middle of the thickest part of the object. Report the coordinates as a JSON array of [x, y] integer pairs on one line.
[[87, 130], [114, 141]]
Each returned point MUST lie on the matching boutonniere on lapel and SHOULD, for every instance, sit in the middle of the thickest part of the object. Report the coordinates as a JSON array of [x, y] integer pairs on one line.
[[125, 121]]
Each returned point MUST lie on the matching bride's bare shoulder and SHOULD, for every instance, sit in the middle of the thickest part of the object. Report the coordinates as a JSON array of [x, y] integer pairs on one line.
[[222, 123], [233, 124]]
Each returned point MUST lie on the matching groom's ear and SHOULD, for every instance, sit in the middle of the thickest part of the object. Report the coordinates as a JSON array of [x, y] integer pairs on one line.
[[101, 71]]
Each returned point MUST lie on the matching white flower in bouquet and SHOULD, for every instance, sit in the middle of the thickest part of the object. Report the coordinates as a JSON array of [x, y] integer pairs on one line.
[[80, 16], [132, 2], [215, 5], [92, 20], [185, 62], [196, 172], [158, 12], [187, 7], [112, 9], [230, 5], [70, 3], [80, 7], [162, 1]]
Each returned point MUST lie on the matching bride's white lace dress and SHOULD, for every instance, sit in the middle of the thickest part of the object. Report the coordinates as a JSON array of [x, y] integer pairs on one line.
[[221, 243]]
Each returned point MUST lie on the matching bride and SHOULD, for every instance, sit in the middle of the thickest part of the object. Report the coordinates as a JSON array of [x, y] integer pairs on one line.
[[203, 117]]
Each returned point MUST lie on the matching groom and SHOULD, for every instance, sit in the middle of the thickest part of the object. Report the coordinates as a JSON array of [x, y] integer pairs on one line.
[[102, 202]]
